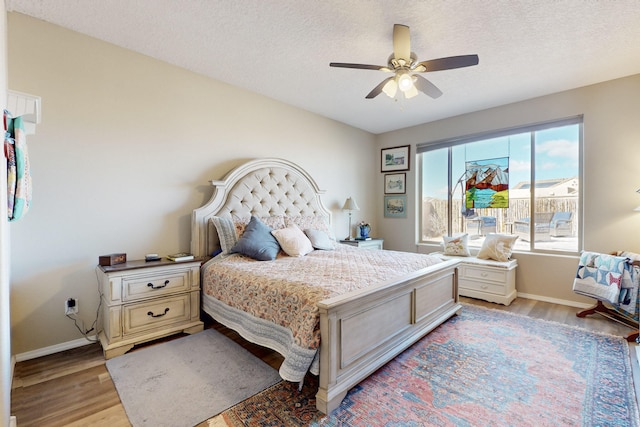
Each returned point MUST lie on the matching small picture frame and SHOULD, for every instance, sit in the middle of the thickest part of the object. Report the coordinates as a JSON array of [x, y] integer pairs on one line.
[[395, 159], [394, 183], [395, 206]]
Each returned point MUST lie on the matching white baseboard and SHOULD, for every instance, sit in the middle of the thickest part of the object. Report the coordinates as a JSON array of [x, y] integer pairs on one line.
[[12, 422], [45, 351], [554, 300], [13, 366]]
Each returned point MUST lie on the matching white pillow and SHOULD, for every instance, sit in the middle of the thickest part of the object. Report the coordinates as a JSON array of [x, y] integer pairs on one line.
[[293, 241], [457, 245], [497, 247], [320, 239]]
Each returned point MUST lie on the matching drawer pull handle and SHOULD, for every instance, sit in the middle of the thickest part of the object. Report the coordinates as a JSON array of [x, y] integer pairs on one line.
[[484, 287], [158, 315], [484, 274], [166, 282]]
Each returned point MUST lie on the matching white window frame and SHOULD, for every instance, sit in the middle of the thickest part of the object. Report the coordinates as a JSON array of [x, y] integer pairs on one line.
[[531, 129]]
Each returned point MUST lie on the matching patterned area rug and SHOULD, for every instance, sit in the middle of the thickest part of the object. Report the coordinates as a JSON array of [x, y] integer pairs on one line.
[[481, 368]]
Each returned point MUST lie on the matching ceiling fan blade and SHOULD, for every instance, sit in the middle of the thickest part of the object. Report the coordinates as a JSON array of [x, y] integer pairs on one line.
[[359, 66], [378, 89], [401, 43], [447, 63], [426, 87]]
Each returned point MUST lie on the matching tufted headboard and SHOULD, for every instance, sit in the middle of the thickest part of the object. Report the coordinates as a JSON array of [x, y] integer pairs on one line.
[[261, 187]]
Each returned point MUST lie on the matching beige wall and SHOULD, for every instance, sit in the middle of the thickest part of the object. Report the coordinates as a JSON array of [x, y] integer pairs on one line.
[[124, 153], [127, 144], [5, 321], [611, 164]]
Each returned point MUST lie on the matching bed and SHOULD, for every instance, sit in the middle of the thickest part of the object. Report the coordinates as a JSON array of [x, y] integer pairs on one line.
[[384, 309]]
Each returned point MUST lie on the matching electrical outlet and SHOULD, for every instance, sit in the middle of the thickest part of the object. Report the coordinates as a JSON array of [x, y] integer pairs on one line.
[[71, 306]]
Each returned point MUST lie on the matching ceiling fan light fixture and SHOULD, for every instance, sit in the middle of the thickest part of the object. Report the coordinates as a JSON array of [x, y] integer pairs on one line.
[[405, 82], [411, 92], [390, 88], [404, 64]]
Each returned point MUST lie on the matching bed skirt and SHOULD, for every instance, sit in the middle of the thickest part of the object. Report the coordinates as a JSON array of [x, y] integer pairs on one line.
[[297, 361]]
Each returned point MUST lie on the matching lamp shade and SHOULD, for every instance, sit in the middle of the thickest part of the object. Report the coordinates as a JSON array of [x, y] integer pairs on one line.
[[350, 205], [390, 88], [404, 81]]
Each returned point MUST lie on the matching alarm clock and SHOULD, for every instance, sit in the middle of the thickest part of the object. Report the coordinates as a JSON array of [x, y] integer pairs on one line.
[[112, 259]]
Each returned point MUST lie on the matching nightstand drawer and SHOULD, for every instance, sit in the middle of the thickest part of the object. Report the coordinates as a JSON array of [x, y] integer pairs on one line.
[[485, 274], [493, 288], [151, 285], [156, 313]]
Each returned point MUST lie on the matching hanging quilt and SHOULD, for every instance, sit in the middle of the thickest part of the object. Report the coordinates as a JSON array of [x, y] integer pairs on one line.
[[19, 186]]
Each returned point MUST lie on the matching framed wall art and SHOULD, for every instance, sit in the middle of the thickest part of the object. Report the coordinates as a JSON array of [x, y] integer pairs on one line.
[[395, 159], [394, 183], [395, 206]]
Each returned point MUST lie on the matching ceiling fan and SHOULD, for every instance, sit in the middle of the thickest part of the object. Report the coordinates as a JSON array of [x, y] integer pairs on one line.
[[403, 63]]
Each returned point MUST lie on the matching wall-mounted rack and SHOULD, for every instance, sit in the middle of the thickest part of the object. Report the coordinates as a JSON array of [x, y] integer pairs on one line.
[[25, 105]]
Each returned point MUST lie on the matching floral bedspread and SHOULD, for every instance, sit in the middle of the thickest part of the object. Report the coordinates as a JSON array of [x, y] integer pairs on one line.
[[286, 291]]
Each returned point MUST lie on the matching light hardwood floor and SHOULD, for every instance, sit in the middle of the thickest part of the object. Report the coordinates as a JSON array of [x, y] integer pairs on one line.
[[73, 388]]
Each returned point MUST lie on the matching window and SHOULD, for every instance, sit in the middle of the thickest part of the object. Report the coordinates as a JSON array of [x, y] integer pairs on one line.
[[523, 181]]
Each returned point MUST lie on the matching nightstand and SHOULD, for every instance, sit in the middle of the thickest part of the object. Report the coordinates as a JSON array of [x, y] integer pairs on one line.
[[485, 279], [364, 244], [143, 301]]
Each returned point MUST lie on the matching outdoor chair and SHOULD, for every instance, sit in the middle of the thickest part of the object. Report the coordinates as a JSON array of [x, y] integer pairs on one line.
[[481, 225], [561, 224], [542, 227]]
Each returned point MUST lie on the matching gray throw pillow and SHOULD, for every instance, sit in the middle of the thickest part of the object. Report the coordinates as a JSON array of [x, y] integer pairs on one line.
[[257, 242]]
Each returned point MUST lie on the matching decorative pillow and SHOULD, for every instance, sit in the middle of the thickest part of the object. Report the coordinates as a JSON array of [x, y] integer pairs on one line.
[[213, 241], [458, 245], [216, 252], [293, 241], [274, 222], [315, 222], [257, 242], [320, 239], [226, 233], [497, 247]]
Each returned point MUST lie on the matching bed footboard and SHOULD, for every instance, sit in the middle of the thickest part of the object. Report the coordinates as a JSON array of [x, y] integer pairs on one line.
[[363, 330]]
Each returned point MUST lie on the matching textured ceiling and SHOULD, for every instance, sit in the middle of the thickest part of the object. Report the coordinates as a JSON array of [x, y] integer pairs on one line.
[[282, 48]]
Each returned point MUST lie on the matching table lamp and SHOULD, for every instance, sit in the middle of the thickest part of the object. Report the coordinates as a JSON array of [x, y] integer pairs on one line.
[[350, 205]]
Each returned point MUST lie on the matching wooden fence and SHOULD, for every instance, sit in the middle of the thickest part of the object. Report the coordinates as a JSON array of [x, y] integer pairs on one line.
[[434, 214]]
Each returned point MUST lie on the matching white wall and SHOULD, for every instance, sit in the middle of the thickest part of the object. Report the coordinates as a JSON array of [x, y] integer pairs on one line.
[[611, 164], [123, 155]]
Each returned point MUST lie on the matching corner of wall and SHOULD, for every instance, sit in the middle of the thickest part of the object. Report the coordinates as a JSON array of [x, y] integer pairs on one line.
[[7, 362]]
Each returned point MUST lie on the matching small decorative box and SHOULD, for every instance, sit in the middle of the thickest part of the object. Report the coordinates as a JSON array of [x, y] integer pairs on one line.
[[112, 259]]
